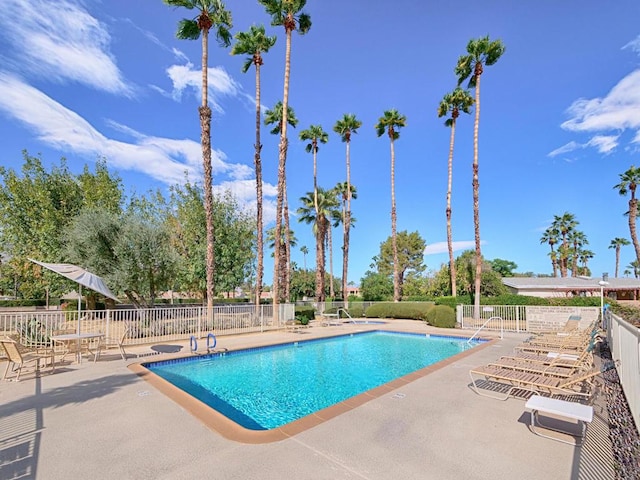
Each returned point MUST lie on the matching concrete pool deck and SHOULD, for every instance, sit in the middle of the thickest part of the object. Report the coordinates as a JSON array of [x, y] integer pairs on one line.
[[104, 421]]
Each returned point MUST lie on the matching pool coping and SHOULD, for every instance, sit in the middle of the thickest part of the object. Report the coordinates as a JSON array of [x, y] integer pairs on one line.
[[230, 430]]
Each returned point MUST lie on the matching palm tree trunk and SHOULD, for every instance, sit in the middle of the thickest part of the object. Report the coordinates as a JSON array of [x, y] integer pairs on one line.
[[332, 292], [633, 212], [452, 264], [319, 260], [476, 205], [394, 240], [258, 165], [287, 245], [346, 224], [617, 259], [315, 180], [205, 140], [282, 160]]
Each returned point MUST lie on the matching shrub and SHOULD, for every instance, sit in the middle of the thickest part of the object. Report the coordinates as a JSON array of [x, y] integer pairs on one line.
[[454, 301], [441, 316], [356, 310], [305, 312], [408, 310]]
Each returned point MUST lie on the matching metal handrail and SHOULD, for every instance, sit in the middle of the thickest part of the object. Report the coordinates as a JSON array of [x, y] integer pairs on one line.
[[484, 325], [344, 311]]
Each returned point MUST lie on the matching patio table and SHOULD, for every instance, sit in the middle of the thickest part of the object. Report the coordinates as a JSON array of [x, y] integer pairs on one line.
[[81, 339]]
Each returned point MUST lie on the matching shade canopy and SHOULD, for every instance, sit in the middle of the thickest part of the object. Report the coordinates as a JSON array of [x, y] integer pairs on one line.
[[80, 276]]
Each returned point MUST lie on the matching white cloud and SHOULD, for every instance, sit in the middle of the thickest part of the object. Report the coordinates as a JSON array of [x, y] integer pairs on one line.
[[46, 35], [441, 247], [569, 147], [604, 143], [634, 45], [164, 159]]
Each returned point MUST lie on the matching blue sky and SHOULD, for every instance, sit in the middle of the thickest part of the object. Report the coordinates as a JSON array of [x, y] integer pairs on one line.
[[560, 112]]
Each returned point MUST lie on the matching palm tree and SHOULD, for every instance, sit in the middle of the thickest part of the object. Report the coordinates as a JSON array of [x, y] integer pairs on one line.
[[550, 236], [634, 267], [276, 117], [480, 52], [344, 127], [564, 224], [211, 14], [289, 14], [617, 243], [454, 102], [314, 134], [271, 239], [305, 252], [345, 192], [391, 122], [577, 239], [320, 224], [254, 43], [629, 181]]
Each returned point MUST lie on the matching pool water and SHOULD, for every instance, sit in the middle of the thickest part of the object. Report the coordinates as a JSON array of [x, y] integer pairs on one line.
[[268, 387]]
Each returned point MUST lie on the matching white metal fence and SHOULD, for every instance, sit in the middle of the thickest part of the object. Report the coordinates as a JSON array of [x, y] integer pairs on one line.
[[34, 328], [524, 318], [624, 342]]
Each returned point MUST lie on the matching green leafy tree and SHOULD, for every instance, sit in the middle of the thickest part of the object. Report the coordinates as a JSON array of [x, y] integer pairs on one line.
[[455, 102], [276, 117], [36, 207], [345, 127], [629, 181], [504, 268], [391, 122], [376, 287], [290, 15], [212, 14], [617, 243], [254, 43], [303, 284], [234, 239], [409, 256], [481, 52], [490, 282]]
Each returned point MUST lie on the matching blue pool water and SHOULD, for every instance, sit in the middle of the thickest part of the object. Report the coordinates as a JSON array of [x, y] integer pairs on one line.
[[267, 387]]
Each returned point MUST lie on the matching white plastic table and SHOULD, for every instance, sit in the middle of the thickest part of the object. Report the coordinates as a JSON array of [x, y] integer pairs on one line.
[[583, 414], [78, 338]]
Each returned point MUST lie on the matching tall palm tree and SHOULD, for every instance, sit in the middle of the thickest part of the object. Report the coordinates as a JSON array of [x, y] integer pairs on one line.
[[305, 252], [211, 14], [617, 243], [320, 224], [550, 236], [314, 134], [276, 117], [564, 224], [391, 122], [629, 181], [577, 239], [480, 52], [271, 239], [254, 43], [345, 127], [634, 267], [346, 192], [454, 102], [289, 14]]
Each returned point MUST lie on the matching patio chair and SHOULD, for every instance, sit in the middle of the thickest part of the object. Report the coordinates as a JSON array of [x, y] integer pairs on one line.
[[499, 379], [17, 359], [110, 342]]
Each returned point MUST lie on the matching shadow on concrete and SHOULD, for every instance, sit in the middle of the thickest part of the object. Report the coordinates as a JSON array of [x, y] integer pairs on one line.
[[21, 421], [167, 348]]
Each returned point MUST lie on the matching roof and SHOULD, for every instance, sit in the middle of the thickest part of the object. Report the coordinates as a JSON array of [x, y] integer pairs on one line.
[[570, 283]]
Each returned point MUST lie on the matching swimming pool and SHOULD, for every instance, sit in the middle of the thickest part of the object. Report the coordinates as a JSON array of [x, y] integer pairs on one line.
[[268, 387]]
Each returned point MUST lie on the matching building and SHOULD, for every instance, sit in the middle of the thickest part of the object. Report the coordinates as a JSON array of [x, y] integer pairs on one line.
[[616, 288]]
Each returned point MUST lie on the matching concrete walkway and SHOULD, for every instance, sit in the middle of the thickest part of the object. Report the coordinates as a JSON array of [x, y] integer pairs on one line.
[[101, 421]]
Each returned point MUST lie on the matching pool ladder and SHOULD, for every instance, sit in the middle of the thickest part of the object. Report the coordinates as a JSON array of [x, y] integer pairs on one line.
[[343, 311], [485, 324]]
